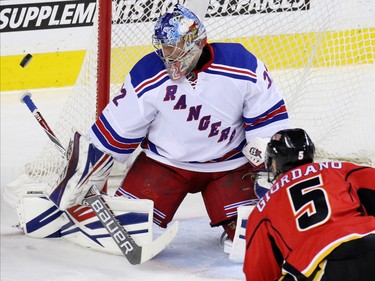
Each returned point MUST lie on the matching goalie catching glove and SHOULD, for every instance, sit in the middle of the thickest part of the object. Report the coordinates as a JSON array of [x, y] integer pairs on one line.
[[254, 152], [262, 184], [85, 168]]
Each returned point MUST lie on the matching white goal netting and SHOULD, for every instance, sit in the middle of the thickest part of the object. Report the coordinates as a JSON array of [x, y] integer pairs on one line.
[[321, 55]]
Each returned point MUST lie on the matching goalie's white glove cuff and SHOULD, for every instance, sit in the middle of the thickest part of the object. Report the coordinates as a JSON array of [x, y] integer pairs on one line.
[[261, 184], [255, 150], [87, 166]]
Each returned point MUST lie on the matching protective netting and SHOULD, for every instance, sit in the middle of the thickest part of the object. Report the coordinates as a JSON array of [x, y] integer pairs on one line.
[[320, 53]]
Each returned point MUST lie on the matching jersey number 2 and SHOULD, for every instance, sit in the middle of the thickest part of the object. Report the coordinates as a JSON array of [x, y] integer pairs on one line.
[[120, 96], [310, 203]]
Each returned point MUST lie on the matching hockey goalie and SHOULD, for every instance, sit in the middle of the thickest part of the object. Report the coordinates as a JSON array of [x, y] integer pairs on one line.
[[192, 113], [62, 210]]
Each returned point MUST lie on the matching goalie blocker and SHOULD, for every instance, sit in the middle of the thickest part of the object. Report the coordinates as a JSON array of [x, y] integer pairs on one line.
[[85, 168]]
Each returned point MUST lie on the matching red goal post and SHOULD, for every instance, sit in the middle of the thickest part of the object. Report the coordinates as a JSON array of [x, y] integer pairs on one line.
[[104, 53]]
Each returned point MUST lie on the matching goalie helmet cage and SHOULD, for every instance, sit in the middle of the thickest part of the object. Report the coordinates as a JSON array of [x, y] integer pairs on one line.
[[319, 53]]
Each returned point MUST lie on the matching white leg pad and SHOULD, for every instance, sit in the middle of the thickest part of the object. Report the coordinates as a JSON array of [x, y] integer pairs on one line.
[[83, 227], [237, 253], [40, 218]]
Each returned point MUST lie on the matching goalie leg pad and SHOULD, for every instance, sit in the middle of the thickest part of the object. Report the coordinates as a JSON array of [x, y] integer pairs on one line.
[[84, 169], [40, 218], [83, 227], [238, 250]]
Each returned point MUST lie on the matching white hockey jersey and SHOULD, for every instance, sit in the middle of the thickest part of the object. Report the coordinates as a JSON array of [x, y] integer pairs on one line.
[[199, 128]]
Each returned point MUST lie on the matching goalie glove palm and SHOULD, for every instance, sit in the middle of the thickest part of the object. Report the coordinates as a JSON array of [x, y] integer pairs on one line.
[[84, 169]]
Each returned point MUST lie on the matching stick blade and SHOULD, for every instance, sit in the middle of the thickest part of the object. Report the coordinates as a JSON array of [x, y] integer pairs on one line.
[[155, 247]]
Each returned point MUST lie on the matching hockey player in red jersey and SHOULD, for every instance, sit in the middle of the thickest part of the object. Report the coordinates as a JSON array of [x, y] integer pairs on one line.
[[317, 220], [192, 107]]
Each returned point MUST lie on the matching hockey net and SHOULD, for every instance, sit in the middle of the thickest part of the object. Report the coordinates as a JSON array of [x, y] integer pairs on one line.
[[320, 53]]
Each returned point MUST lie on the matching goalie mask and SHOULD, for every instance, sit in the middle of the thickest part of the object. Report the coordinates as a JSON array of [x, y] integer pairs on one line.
[[288, 149], [178, 39]]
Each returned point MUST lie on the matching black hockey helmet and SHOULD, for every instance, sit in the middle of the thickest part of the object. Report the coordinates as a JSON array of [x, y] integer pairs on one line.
[[288, 148]]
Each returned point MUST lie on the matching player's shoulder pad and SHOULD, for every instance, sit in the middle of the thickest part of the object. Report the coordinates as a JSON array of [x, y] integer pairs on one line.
[[350, 167], [148, 68], [234, 55]]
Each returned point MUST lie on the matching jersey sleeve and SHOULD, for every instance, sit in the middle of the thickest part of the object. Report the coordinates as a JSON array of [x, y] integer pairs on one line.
[[362, 179], [123, 124], [265, 112], [260, 262]]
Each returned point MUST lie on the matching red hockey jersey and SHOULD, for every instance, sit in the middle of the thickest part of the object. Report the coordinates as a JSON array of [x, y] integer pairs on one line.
[[308, 212]]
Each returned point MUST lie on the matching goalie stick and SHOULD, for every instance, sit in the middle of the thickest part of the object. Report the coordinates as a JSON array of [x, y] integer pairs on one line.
[[26, 98], [134, 253]]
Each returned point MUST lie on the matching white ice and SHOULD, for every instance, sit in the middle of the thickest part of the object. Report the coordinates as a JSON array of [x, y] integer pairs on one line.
[[194, 255]]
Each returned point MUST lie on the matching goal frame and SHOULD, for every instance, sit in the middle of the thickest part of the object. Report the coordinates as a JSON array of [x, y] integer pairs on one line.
[[104, 54]]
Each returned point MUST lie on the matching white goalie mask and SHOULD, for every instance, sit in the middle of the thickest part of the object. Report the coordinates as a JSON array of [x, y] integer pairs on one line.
[[178, 39]]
